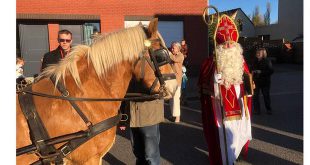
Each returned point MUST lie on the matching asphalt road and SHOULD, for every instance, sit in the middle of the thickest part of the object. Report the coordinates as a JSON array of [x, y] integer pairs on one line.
[[277, 138]]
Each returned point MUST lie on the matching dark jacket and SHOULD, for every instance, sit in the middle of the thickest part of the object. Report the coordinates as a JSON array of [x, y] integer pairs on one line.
[[263, 78], [52, 57]]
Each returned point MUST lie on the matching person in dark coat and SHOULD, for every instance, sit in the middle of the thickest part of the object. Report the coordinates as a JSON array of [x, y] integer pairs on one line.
[[53, 57], [184, 51], [144, 119], [262, 71]]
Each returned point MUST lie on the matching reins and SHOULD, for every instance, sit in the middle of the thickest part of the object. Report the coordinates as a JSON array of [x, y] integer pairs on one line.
[[128, 97]]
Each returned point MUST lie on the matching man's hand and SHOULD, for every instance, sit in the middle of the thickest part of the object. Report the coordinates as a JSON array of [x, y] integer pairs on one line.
[[218, 78]]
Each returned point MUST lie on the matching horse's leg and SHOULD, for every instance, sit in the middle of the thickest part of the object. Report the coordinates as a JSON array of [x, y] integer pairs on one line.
[[97, 159], [106, 142], [91, 152], [106, 150]]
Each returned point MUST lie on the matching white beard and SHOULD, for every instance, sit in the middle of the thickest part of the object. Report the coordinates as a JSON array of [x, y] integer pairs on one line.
[[230, 64]]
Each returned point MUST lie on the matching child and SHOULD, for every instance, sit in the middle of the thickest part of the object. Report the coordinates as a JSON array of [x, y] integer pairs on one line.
[[184, 77], [19, 70], [183, 86]]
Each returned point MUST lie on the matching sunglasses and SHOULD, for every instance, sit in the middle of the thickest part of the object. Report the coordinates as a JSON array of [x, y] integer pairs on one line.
[[64, 40]]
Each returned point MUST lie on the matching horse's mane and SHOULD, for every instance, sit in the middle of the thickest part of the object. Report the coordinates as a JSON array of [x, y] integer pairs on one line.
[[106, 51]]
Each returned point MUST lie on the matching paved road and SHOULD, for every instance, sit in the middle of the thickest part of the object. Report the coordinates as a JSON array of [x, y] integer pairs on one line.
[[277, 139]]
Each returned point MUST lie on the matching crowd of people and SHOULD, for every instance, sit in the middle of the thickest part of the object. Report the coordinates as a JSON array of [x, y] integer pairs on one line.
[[223, 96]]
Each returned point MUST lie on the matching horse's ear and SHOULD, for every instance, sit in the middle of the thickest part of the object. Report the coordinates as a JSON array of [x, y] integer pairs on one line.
[[153, 26]]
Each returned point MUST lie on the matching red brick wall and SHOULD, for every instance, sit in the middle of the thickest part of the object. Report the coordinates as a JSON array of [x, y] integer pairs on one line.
[[52, 35], [112, 12]]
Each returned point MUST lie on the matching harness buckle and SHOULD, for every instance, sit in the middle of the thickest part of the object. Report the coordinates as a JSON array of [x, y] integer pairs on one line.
[[163, 91], [125, 117], [65, 93], [65, 150]]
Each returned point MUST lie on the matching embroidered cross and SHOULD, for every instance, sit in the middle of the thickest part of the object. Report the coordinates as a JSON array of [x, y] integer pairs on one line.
[[224, 30]]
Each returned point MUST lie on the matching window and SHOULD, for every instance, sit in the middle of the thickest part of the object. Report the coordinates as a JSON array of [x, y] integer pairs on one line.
[[81, 32], [89, 29]]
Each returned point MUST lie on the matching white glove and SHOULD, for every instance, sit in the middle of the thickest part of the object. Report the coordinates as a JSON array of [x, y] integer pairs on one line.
[[218, 78], [183, 69]]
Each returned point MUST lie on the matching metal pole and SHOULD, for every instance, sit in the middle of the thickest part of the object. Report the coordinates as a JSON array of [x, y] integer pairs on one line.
[[217, 68]]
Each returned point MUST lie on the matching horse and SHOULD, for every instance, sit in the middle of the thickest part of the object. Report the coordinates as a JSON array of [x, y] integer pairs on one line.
[[100, 70]]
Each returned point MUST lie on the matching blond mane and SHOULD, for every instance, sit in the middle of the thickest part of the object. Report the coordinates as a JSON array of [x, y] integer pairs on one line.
[[105, 52]]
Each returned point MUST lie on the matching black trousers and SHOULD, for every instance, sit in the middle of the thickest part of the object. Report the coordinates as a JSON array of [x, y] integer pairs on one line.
[[266, 94]]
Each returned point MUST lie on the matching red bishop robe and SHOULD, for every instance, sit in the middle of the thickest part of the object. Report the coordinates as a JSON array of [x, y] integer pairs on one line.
[[237, 111]]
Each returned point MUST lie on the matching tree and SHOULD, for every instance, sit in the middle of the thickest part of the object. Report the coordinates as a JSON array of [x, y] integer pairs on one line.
[[257, 17], [267, 14]]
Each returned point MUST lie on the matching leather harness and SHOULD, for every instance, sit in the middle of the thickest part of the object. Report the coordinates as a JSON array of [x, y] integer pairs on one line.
[[43, 145]]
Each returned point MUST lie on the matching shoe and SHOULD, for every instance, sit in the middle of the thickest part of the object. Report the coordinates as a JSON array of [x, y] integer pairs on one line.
[[177, 119]]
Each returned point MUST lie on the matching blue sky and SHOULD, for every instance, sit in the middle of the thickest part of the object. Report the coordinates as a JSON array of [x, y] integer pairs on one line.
[[248, 6]]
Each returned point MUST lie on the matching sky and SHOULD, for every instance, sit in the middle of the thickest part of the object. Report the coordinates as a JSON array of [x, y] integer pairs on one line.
[[247, 6]]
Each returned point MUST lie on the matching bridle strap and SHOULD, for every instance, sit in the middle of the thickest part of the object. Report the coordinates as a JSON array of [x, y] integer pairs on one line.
[[157, 71], [150, 63], [38, 132], [155, 67], [65, 93], [166, 77], [95, 130], [153, 85], [142, 67], [137, 97]]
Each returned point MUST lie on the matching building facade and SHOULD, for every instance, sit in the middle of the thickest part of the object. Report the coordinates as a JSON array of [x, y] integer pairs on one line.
[[290, 22], [38, 22]]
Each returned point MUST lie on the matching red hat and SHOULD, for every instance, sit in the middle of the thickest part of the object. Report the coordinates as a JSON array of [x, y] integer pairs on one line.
[[226, 30]]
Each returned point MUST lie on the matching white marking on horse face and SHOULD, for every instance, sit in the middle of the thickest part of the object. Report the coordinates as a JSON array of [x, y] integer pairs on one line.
[[171, 86]]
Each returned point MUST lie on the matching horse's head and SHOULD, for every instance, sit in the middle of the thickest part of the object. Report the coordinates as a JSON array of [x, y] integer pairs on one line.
[[153, 67]]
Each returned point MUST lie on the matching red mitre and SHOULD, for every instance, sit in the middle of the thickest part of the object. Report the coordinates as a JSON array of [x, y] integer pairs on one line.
[[226, 30]]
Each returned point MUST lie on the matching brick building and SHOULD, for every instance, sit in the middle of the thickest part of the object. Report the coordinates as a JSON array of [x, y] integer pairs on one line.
[[38, 22]]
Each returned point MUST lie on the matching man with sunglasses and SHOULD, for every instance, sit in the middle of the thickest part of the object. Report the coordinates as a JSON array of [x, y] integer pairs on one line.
[[53, 57]]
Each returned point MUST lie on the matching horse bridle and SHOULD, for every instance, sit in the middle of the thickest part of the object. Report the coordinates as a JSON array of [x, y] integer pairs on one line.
[[158, 58]]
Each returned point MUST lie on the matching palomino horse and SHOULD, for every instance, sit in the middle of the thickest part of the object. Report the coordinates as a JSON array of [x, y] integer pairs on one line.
[[102, 70]]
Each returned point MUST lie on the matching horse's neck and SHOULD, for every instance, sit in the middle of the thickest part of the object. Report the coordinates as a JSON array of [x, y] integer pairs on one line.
[[113, 85], [54, 111]]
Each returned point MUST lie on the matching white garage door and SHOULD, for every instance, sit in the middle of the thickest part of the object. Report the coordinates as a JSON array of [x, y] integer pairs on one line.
[[135, 23], [170, 30]]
